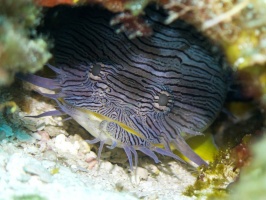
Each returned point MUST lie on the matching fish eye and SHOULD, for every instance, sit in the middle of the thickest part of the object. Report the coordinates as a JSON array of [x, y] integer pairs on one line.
[[96, 69], [163, 100]]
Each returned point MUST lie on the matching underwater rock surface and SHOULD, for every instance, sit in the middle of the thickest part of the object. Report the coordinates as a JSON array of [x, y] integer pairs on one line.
[[21, 50], [50, 143]]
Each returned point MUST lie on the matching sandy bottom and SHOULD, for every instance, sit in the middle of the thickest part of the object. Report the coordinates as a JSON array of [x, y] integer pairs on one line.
[[51, 160]]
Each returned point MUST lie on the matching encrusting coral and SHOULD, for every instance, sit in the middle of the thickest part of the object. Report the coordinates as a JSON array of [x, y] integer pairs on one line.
[[239, 26], [20, 49]]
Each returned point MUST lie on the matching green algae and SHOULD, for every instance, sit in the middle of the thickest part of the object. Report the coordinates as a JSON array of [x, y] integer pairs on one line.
[[213, 179]]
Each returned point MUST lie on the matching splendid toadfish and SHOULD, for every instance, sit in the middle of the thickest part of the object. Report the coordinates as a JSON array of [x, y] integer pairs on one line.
[[143, 94]]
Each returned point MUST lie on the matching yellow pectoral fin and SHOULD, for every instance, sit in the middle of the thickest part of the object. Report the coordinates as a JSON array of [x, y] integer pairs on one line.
[[203, 145]]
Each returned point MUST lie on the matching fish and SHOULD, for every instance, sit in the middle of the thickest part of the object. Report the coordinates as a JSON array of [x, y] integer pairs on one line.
[[145, 94]]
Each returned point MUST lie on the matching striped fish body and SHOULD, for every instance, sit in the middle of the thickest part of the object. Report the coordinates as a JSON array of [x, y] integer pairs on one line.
[[150, 90]]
